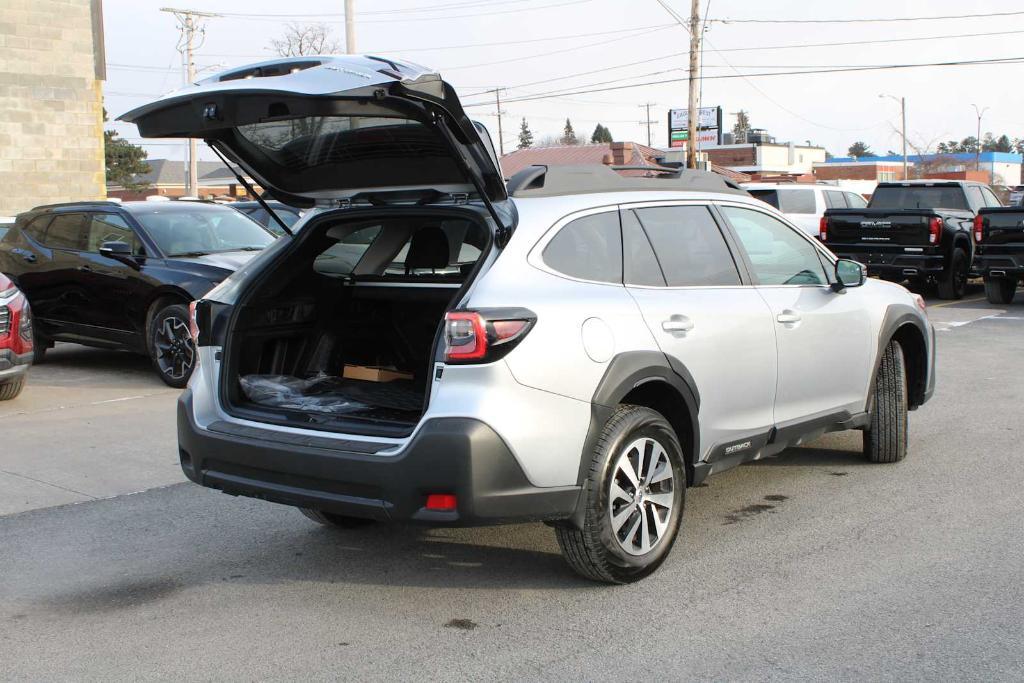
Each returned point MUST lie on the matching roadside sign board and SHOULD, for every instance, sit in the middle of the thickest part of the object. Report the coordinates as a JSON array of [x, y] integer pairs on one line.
[[709, 126]]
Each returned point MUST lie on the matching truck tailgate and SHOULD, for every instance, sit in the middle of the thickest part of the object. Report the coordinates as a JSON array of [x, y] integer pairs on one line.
[[886, 226], [1003, 226]]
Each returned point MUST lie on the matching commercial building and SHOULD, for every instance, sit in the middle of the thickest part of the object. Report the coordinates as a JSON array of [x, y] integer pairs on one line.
[[766, 158], [51, 131], [997, 168]]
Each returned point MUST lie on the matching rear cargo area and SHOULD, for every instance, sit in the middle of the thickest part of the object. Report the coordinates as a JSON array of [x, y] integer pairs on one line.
[[341, 335]]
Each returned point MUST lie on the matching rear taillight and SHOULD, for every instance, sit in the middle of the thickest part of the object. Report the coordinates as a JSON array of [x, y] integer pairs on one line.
[[823, 229], [485, 335], [934, 230], [979, 228]]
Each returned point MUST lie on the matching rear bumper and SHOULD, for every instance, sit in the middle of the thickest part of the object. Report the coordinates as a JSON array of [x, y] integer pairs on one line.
[[894, 261], [12, 365], [459, 456], [1000, 265]]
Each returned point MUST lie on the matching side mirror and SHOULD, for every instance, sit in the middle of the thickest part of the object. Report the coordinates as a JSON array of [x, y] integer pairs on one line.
[[848, 274], [119, 251], [116, 250]]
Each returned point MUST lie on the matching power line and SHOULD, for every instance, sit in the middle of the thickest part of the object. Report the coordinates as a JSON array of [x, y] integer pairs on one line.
[[880, 67], [406, 10], [418, 19], [864, 21], [556, 52]]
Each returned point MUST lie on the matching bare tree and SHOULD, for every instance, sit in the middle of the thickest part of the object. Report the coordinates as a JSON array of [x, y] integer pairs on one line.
[[306, 39]]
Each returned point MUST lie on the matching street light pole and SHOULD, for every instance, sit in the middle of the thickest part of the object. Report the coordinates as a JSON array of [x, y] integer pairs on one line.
[[977, 149], [903, 131]]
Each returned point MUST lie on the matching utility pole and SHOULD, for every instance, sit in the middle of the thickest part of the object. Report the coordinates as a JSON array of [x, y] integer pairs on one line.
[[501, 138], [977, 149], [648, 121], [189, 26], [903, 130], [693, 104], [350, 27]]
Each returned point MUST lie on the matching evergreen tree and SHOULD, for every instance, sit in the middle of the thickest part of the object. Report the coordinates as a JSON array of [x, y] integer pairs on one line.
[[860, 149], [601, 135], [569, 135], [124, 161], [525, 135]]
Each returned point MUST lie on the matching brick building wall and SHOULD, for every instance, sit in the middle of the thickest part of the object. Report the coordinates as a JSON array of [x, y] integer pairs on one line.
[[865, 171], [735, 156], [51, 120]]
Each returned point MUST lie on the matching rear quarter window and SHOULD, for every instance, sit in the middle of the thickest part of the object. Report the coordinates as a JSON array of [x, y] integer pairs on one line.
[[588, 248]]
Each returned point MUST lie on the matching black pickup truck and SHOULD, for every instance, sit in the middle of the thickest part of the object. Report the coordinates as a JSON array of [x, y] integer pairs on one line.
[[999, 255], [917, 230]]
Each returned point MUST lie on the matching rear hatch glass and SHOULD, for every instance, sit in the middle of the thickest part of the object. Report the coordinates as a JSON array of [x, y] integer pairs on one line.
[[919, 197]]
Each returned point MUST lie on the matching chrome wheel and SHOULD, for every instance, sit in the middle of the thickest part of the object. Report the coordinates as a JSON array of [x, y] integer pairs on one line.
[[641, 495], [175, 354]]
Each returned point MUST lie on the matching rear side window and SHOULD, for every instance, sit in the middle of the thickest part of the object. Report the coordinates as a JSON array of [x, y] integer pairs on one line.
[[588, 248], [788, 201], [855, 201], [340, 259], [688, 246], [36, 229], [834, 199], [66, 231]]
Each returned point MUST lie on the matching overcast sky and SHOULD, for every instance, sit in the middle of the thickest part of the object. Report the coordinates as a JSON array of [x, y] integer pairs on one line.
[[831, 110]]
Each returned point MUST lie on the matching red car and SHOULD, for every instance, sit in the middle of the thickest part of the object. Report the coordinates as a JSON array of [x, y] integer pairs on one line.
[[15, 339]]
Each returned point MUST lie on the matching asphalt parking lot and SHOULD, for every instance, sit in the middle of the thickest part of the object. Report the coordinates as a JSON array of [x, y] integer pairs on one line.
[[811, 565]]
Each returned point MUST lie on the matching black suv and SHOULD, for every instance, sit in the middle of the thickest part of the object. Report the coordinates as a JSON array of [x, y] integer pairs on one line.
[[121, 275]]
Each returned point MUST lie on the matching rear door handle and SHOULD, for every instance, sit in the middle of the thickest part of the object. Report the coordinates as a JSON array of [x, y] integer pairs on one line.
[[789, 317], [677, 324]]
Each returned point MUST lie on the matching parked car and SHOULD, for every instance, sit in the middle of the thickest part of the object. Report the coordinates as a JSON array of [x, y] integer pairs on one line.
[[999, 259], [1016, 196], [575, 347], [804, 204], [15, 339], [915, 229], [121, 275], [289, 214]]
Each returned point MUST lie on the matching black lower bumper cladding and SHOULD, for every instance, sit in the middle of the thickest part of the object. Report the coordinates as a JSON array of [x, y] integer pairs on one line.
[[455, 456]]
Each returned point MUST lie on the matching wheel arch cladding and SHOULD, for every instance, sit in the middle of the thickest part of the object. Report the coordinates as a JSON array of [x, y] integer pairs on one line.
[[904, 325], [652, 380]]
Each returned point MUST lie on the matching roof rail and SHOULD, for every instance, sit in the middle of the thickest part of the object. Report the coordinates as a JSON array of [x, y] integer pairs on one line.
[[553, 181], [84, 202]]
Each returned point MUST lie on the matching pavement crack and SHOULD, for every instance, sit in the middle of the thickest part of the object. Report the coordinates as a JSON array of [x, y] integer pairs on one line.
[[47, 483]]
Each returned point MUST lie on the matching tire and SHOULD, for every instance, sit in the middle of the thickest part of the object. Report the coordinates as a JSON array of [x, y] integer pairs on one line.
[[615, 553], [885, 440], [170, 347], [953, 282], [39, 345], [11, 389], [1000, 290], [337, 521]]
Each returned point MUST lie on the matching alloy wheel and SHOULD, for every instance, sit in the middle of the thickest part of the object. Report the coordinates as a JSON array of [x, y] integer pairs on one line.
[[641, 496], [175, 353]]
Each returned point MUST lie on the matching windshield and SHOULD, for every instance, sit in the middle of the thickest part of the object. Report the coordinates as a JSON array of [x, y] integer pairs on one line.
[[919, 197], [195, 231]]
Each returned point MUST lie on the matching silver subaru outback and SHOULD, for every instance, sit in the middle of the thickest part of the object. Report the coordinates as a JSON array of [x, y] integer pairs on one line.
[[577, 346]]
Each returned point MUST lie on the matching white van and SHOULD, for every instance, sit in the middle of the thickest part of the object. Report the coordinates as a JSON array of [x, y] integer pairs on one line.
[[803, 203]]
